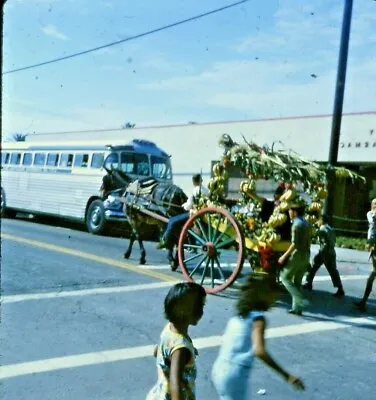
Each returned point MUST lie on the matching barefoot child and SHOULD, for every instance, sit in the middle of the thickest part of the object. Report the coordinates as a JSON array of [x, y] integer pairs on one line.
[[176, 368], [244, 338]]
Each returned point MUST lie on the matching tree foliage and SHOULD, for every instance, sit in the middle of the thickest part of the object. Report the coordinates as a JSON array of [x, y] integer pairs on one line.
[[19, 137], [128, 125]]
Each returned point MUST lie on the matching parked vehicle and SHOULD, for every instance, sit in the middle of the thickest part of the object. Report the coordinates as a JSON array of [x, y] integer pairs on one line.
[[64, 178]]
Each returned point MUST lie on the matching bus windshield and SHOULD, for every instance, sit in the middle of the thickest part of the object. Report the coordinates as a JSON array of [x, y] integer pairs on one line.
[[140, 164], [134, 163], [161, 167]]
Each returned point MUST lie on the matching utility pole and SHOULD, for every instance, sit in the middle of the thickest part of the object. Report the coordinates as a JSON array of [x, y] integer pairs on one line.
[[338, 106]]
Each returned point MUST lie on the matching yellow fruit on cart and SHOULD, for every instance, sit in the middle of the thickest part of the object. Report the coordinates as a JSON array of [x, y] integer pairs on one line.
[[217, 170], [322, 194], [251, 224], [284, 206]]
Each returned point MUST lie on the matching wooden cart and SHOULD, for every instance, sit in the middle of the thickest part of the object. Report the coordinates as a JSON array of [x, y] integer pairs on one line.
[[212, 248]]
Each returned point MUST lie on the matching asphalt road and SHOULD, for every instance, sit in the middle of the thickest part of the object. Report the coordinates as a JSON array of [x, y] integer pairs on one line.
[[78, 322]]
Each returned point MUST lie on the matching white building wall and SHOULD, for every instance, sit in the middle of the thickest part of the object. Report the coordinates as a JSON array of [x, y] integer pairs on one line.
[[193, 147]]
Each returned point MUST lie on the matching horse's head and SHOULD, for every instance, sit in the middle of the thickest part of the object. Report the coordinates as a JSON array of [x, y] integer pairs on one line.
[[177, 199], [118, 178]]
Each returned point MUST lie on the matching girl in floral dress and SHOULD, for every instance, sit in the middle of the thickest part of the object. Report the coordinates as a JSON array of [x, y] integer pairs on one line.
[[175, 354]]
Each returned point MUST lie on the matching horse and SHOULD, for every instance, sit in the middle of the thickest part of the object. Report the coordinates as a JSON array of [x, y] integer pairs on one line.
[[163, 199]]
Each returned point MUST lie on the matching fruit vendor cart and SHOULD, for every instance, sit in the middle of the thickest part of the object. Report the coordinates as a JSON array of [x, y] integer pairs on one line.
[[222, 234]]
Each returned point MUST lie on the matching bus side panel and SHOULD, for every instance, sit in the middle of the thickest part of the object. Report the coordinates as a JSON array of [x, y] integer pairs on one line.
[[60, 194]]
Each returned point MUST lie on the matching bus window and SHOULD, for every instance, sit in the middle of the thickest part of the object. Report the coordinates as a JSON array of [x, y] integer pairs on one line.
[[81, 160], [15, 158], [97, 160], [66, 160], [160, 167], [127, 163], [4, 158], [112, 161], [142, 164], [52, 159], [27, 159], [39, 159]]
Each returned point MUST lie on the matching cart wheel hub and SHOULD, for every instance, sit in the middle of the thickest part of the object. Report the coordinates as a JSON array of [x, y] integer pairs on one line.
[[209, 249]]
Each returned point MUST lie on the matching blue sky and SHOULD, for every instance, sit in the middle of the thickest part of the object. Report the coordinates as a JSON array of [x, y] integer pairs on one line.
[[252, 61]]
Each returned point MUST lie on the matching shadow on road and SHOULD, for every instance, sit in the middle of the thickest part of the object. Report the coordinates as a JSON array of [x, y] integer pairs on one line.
[[326, 306], [112, 229]]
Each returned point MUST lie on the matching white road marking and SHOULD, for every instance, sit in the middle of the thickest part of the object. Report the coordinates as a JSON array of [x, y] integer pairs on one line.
[[83, 292], [156, 266], [102, 357], [343, 278], [132, 288]]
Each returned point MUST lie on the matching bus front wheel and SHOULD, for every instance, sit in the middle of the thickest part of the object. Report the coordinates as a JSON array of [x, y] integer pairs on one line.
[[95, 218]]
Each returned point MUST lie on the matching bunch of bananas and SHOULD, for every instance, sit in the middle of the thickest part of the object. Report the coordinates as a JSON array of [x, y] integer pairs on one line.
[[284, 206], [315, 206], [277, 219], [288, 196], [217, 183], [269, 237], [220, 171], [272, 239], [248, 187], [320, 194]]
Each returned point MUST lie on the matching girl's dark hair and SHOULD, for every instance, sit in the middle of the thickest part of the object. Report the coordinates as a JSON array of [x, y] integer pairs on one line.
[[176, 296], [252, 293]]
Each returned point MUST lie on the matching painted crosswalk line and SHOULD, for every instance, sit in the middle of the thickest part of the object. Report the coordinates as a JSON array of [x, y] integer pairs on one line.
[[102, 357], [83, 292], [131, 288]]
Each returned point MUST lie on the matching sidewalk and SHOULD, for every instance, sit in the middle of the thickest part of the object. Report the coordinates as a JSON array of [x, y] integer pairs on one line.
[[346, 255]]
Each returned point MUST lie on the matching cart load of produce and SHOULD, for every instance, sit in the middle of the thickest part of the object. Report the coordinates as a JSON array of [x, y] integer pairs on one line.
[[304, 183]]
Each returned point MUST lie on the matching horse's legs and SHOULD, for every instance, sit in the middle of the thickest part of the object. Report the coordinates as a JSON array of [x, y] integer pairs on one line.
[[128, 253], [172, 259], [142, 251], [133, 236]]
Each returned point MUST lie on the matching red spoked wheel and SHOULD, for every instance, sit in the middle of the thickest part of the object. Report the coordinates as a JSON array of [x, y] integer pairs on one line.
[[211, 249]]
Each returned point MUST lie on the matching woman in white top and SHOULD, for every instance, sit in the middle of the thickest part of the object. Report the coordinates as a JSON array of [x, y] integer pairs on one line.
[[244, 338], [370, 215]]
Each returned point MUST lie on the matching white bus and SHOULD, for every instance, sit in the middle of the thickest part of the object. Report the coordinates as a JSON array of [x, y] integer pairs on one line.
[[63, 179]]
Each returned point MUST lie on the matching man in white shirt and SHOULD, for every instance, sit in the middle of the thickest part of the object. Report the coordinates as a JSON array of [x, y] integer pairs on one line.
[[175, 224]]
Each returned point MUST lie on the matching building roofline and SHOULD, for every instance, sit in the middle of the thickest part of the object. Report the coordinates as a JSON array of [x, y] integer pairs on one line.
[[210, 123]]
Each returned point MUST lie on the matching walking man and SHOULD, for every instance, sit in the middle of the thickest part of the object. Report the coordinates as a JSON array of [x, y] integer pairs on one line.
[[371, 246], [298, 258], [326, 256]]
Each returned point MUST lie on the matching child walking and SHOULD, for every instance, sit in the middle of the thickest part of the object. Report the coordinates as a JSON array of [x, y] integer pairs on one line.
[[176, 367], [244, 338], [371, 246], [327, 256]]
